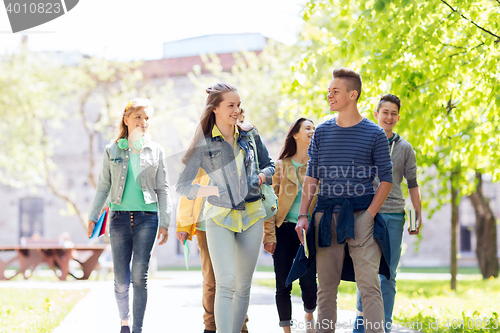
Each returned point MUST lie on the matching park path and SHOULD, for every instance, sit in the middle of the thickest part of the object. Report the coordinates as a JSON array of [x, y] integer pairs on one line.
[[174, 305]]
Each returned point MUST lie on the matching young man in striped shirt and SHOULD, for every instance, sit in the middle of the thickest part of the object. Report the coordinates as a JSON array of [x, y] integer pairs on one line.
[[346, 153]]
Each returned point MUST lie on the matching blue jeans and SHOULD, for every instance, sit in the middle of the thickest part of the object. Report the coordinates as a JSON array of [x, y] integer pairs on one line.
[[395, 226], [287, 244], [132, 233]]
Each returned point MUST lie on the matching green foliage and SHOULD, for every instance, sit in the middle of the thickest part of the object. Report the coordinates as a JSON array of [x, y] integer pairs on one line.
[[29, 89], [39, 95], [439, 57], [35, 310]]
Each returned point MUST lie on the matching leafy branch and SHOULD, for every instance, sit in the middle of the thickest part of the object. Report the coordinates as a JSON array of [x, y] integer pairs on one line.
[[487, 31], [464, 52]]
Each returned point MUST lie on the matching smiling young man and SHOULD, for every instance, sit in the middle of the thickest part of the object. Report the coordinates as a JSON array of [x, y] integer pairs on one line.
[[404, 164], [346, 153]]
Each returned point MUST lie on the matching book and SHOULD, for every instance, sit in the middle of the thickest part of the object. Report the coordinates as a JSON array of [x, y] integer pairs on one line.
[[306, 249], [186, 253], [412, 219], [100, 228]]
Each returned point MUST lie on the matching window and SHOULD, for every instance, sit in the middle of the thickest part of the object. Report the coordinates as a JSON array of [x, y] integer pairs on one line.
[[465, 239], [467, 221], [30, 217]]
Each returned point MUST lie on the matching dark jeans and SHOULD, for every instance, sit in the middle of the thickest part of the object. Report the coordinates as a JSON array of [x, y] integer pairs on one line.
[[287, 244], [132, 233]]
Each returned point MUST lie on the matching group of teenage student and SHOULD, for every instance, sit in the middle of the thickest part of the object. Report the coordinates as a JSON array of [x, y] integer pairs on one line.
[[353, 218]]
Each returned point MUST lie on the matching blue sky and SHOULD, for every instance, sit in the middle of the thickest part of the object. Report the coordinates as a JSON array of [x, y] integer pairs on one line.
[[133, 29]]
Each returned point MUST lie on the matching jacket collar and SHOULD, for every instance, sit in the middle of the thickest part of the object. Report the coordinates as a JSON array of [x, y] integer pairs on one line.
[[396, 137]]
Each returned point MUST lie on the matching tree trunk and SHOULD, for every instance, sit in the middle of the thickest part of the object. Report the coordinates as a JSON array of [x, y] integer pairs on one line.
[[486, 231], [454, 229]]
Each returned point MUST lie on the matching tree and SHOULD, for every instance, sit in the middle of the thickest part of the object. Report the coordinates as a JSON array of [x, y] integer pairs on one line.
[[439, 57], [29, 87], [34, 104], [486, 231], [97, 95]]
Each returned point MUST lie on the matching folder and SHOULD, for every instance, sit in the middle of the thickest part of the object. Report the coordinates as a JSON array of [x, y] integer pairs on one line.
[[100, 228], [306, 249]]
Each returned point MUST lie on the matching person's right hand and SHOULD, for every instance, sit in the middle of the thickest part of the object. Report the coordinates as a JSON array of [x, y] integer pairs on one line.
[[90, 228], [270, 247], [302, 224], [182, 236]]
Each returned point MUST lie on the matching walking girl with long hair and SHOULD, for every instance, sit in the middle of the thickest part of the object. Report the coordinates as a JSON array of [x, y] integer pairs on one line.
[[233, 211], [280, 238]]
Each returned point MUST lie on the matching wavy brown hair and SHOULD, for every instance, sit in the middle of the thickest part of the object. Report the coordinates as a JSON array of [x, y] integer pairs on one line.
[[207, 121], [290, 147], [133, 105]]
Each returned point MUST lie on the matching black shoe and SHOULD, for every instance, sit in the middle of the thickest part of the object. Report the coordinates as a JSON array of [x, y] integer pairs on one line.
[[125, 329], [207, 331]]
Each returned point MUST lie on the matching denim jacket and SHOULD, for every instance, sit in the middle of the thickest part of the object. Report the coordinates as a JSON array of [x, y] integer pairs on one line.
[[345, 229], [216, 156], [153, 179]]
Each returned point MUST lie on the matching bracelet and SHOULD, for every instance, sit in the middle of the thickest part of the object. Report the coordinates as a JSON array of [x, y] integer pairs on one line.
[[301, 215], [93, 222], [260, 179]]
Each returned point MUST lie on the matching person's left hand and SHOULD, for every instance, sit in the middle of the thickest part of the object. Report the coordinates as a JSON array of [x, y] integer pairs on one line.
[[270, 247], [162, 236], [419, 223]]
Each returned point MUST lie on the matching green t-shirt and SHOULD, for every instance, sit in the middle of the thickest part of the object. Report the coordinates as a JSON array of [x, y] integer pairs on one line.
[[133, 199], [293, 213]]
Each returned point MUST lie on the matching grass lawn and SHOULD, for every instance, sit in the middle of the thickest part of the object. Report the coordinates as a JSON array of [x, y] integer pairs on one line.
[[35, 310], [461, 270], [430, 305]]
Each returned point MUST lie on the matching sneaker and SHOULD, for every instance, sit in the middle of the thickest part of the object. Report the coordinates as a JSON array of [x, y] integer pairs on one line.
[[359, 325], [310, 326], [125, 329]]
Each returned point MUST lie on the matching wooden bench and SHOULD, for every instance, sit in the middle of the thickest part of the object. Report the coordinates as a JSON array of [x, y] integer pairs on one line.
[[56, 256]]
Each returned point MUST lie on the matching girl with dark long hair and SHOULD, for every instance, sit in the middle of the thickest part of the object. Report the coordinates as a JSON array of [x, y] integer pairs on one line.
[[280, 237]]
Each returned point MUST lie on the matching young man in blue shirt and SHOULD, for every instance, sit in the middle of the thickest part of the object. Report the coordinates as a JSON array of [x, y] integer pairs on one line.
[[346, 153]]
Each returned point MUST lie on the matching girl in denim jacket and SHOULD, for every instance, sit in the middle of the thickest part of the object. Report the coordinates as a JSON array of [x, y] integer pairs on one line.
[[233, 211], [134, 175]]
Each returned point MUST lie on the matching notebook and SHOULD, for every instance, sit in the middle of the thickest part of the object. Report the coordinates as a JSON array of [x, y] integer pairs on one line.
[[100, 228]]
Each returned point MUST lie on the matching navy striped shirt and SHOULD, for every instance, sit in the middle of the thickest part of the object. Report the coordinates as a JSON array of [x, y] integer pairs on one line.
[[347, 159]]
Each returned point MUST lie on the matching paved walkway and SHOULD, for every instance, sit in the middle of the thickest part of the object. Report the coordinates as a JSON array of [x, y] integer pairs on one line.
[[174, 305]]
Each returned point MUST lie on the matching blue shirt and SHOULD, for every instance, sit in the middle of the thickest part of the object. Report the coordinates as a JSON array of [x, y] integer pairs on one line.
[[347, 159]]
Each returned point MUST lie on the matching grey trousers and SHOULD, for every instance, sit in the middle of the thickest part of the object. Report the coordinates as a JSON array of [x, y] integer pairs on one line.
[[365, 252]]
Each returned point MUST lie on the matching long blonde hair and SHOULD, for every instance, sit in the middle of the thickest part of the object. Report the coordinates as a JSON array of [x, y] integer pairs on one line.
[[207, 120], [133, 105]]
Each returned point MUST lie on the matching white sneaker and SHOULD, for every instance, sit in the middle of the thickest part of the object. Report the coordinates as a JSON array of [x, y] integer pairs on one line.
[[310, 326]]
